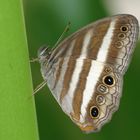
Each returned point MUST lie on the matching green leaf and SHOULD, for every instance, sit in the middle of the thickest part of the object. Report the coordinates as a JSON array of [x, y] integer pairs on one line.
[[17, 108]]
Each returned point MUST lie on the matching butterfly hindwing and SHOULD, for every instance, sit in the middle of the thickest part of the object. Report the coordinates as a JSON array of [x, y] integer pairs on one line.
[[106, 96]]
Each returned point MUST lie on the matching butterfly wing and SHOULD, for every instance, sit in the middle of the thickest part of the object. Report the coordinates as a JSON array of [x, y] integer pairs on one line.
[[125, 35], [85, 72], [97, 107], [59, 68]]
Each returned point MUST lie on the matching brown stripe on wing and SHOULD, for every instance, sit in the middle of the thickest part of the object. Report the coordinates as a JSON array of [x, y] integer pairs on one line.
[[71, 65], [58, 71], [78, 94], [96, 41], [123, 43]]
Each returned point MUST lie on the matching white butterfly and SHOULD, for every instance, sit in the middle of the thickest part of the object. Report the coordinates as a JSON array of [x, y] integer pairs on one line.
[[85, 71]]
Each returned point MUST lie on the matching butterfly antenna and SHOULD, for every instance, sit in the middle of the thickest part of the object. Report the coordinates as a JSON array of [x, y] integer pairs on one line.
[[62, 35]]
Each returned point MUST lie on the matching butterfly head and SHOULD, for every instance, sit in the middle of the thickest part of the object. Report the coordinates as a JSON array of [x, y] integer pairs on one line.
[[43, 53]]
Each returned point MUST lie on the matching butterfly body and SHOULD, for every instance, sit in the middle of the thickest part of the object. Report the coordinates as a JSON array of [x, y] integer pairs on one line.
[[85, 71]]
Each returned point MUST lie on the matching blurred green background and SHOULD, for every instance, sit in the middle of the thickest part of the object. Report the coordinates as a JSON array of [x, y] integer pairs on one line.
[[45, 21]]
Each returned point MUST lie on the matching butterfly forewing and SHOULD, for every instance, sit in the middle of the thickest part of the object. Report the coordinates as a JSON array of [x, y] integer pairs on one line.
[[85, 72]]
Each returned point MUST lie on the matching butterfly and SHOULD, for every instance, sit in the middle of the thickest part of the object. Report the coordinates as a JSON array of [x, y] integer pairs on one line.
[[85, 71]]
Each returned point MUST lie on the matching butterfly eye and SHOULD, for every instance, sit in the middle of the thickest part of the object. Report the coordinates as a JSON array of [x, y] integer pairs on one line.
[[94, 112], [108, 80], [43, 51], [124, 29]]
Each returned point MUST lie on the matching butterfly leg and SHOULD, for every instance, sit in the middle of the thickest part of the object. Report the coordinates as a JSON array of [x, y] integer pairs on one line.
[[40, 86], [34, 60]]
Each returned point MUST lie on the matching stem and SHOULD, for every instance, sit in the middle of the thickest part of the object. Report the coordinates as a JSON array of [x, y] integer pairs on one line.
[[17, 110]]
